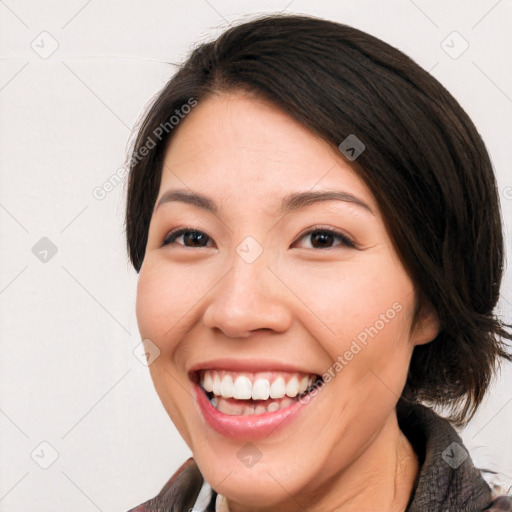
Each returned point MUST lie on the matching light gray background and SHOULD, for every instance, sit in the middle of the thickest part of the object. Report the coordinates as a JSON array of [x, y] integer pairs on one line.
[[68, 374]]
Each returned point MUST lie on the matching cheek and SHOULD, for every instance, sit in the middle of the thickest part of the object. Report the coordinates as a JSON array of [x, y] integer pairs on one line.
[[166, 296], [349, 298], [158, 309], [161, 309]]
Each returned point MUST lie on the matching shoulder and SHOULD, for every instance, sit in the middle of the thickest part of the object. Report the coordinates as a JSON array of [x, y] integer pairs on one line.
[[178, 494], [501, 487], [501, 504]]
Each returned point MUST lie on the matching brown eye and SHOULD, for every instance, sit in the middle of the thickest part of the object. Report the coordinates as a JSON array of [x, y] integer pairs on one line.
[[189, 237], [324, 239], [321, 239]]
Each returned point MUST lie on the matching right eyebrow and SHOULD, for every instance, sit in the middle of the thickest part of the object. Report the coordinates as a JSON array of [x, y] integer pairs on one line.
[[188, 197]]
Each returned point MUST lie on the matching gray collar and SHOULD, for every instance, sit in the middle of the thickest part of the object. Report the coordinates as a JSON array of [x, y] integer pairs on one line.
[[448, 480]]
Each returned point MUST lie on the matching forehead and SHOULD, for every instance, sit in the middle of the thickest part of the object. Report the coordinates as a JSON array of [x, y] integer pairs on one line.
[[237, 143]]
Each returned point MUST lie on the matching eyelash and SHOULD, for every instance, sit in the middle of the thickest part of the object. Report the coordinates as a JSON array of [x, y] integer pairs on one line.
[[345, 240]]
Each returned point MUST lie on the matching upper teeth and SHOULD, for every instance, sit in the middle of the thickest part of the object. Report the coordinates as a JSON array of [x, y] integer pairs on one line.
[[244, 386]]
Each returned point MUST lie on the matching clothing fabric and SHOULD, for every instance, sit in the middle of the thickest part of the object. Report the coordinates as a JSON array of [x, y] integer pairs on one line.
[[447, 480]]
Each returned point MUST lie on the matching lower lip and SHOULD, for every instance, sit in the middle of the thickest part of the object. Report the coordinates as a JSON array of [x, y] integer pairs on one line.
[[253, 426]]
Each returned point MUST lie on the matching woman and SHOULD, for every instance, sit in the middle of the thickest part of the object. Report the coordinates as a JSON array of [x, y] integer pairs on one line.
[[317, 230]]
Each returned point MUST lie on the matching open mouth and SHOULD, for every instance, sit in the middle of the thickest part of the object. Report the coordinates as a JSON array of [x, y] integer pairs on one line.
[[246, 393]]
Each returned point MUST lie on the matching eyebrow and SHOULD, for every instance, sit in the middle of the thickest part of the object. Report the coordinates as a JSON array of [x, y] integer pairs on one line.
[[188, 197], [301, 199], [289, 203]]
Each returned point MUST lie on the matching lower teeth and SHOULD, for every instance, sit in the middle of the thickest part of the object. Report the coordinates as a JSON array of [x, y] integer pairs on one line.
[[246, 407]]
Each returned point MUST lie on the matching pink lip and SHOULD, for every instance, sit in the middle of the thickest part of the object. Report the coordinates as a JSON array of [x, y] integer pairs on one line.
[[247, 365], [250, 426]]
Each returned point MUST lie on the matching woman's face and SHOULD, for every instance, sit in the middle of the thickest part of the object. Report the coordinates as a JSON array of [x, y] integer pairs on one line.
[[268, 263]]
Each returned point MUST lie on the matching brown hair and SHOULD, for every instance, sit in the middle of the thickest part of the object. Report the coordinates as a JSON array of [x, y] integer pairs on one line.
[[424, 161]]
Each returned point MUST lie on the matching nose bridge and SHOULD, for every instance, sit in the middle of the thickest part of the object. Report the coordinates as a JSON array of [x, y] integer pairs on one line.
[[249, 275], [248, 297]]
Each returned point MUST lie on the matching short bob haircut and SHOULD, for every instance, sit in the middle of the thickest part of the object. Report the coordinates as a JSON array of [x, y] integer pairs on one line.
[[424, 161]]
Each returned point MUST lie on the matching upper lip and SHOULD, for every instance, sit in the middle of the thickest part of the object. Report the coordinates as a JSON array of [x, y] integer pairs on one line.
[[248, 365]]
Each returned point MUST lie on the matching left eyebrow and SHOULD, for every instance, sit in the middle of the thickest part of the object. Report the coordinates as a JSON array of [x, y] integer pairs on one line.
[[301, 199]]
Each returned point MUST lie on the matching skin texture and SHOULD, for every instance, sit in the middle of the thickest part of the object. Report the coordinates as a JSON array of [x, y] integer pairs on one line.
[[296, 303]]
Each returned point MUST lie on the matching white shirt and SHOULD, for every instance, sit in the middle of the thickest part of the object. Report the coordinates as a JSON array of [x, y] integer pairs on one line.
[[205, 496]]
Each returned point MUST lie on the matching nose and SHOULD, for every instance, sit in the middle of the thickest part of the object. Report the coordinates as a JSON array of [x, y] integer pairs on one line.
[[248, 298]]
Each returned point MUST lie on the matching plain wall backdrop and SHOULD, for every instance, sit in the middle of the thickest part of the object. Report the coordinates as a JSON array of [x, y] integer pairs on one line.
[[81, 426]]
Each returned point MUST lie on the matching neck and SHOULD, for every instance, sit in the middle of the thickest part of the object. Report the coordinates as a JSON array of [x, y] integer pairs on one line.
[[381, 479]]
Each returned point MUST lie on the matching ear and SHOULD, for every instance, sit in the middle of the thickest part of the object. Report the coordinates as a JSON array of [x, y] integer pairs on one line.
[[427, 324]]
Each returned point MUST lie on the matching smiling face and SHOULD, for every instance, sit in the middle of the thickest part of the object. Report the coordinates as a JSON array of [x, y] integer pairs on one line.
[[268, 263]]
